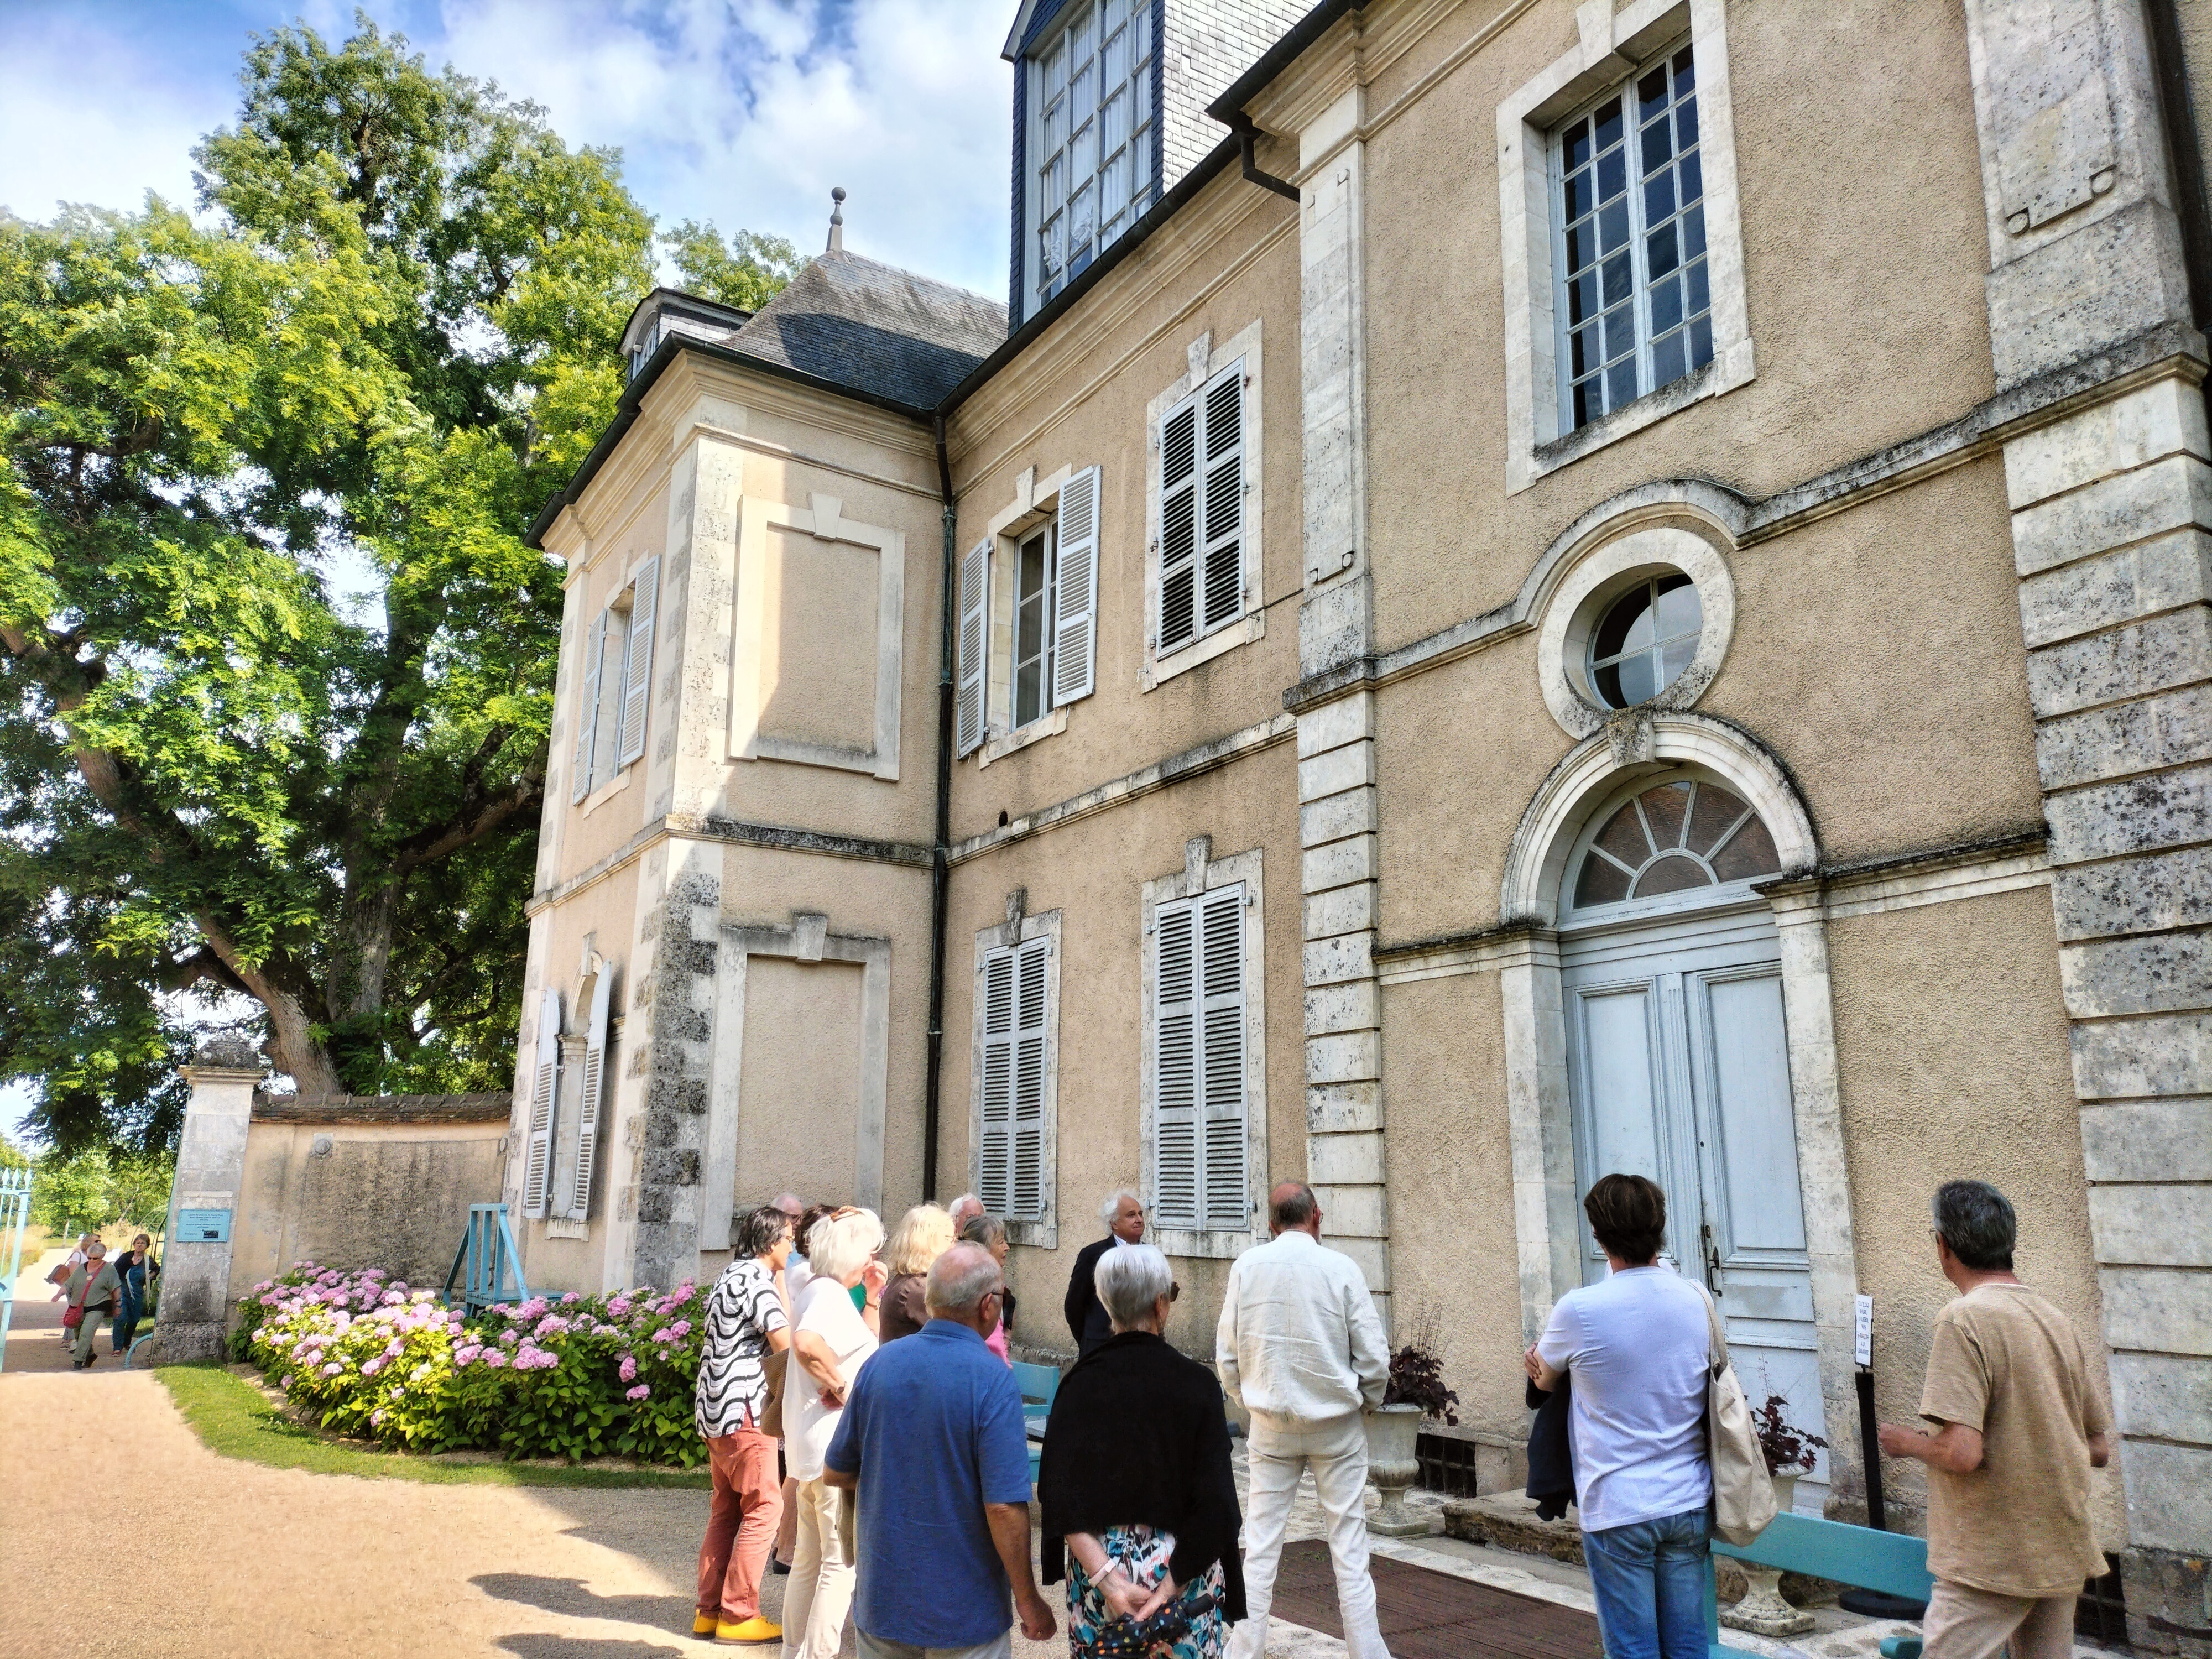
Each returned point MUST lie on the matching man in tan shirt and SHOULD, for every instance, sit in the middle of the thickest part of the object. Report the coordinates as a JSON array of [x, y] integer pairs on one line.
[[2019, 1425]]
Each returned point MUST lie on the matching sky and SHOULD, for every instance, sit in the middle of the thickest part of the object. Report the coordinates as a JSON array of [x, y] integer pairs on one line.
[[743, 111]]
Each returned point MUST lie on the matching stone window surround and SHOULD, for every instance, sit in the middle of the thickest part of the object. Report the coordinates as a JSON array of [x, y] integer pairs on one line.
[[1033, 505], [1597, 575], [1020, 928], [824, 518], [1613, 44], [1202, 873], [807, 939], [1204, 360]]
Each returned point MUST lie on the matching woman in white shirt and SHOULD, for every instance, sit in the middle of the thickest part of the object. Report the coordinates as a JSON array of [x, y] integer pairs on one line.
[[833, 1340]]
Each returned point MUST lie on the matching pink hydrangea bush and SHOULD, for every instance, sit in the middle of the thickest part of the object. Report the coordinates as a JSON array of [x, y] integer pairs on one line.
[[370, 1355]]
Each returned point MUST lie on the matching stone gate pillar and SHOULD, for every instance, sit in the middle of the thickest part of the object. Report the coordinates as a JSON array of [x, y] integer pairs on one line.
[[194, 1303]]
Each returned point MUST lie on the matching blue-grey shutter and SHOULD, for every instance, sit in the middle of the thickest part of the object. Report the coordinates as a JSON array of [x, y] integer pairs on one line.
[[638, 659], [1075, 591], [588, 706], [545, 1082]]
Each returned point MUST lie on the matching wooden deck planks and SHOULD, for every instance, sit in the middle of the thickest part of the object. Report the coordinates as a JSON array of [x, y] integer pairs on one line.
[[1432, 1615]]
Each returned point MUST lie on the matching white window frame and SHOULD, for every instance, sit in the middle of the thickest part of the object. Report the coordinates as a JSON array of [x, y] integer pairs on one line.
[[1042, 1230], [1036, 292], [604, 691], [1036, 505], [1612, 48], [1204, 360], [1202, 874]]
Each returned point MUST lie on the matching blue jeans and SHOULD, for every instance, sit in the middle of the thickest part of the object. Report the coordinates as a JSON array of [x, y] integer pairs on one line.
[[127, 1313], [1650, 1580]]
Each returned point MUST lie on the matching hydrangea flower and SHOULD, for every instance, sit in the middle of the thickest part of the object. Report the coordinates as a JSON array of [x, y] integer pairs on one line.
[[572, 1296], [642, 1391], [332, 1369], [493, 1358], [628, 1369]]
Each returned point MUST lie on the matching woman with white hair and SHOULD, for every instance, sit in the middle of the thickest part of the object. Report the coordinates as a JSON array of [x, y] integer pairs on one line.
[[1140, 1513], [833, 1339]]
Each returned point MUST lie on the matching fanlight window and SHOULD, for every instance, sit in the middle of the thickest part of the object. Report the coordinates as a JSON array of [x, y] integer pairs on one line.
[[1671, 839]]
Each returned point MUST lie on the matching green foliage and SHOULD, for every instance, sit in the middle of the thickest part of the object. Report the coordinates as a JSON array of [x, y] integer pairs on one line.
[[96, 1187], [746, 271]]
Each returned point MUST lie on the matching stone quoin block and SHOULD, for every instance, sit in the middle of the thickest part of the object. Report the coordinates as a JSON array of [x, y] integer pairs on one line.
[[2140, 895], [2149, 1140], [2153, 1226], [2163, 418], [1344, 1057], [2140, 815], [2130, 1058], [1337, 817], [1337, 864], [1334, 961], [2165, 495], [2157, 1310], [2130, 661], [2169, 729], [2163, 574], [1340, 910]]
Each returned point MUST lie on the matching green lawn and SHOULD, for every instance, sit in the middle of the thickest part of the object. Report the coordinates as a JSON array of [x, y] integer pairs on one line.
[[234, 1419]]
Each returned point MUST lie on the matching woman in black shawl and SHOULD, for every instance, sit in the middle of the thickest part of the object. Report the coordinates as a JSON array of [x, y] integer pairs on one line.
[[1140, 1511]]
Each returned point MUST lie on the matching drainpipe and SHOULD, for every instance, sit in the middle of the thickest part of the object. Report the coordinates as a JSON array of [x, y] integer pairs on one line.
[[1247, 134], [940, 841]]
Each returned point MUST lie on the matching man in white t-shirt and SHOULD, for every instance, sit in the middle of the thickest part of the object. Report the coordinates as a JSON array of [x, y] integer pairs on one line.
[[1637, 1345]]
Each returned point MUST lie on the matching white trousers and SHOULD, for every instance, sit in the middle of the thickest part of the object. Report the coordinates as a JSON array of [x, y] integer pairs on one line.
[[818, 1594], [1340, 1480]]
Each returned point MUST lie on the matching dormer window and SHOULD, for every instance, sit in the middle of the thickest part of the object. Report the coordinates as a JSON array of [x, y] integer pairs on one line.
[[1093, 139]]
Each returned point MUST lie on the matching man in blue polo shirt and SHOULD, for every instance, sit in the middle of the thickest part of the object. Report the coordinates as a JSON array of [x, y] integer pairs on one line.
[[931, 1439]]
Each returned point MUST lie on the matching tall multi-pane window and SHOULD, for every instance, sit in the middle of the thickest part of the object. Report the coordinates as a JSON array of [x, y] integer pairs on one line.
[[1033, 619], [1093, 135], [1635, 312]]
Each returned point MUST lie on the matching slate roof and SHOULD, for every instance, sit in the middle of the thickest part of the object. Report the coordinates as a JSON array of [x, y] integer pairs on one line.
[[876, 329]]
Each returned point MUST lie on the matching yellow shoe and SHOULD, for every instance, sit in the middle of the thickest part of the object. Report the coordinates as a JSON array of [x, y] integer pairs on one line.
[[754, 1629], [702, 1624]]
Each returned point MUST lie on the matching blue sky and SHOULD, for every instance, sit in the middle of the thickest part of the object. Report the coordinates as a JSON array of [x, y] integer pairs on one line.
[[743, 112]]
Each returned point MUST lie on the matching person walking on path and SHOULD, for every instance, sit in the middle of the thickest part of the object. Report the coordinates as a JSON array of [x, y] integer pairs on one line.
[[836, 1342], [1123, 1212], [92, 1293], [924, 1233], [2019, 1425], [932, 1444], [1301, 1347], [1138, 1499], [1637, 1345], [745, 1323], [134, 1270]]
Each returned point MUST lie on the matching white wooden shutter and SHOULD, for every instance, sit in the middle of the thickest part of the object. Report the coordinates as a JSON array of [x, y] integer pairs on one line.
[[537, 1143], [588, 706], [1221, 930], [637, 661], [1075, 591], [1222, 509], [1179, 527], [1026, 1202], [579, 1207], [975, 606], [1175, 1066], [994, 1145]]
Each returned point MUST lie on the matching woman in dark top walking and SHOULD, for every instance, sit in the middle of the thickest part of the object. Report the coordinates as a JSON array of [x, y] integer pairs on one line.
[[135, 1268], [1140, 1504]]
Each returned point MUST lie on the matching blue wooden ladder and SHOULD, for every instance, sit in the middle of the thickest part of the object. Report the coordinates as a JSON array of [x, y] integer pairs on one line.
[[487, 1266], [1891, 1561]]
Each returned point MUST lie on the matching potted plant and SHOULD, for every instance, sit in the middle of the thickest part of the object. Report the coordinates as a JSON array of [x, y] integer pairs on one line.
[[1791, 1452], [1415, 1394]]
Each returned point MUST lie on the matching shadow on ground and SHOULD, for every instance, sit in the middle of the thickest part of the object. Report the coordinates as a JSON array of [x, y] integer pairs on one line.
[[569, 1596], [582, 1647]]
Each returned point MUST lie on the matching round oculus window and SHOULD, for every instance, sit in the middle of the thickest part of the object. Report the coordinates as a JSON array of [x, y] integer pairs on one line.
[[1645, 640]]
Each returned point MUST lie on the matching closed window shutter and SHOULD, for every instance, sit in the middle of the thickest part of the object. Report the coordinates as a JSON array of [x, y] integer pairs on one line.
[[588, 706], [1179, 527], [578, 1207], [1026, 1202], [637, 661], [994, 1150], [546, 1079], [1174, 1061], [1075, 594], [1221, 928], [975, 604], [1223, 508]]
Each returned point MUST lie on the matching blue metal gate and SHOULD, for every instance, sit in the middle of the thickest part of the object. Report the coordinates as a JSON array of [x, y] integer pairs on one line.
[[15, 1216]]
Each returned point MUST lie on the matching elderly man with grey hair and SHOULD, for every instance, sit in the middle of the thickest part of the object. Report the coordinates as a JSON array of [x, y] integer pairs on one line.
[[932, 1440], [1123, 1212], [2019, 1425], [965, 1209]]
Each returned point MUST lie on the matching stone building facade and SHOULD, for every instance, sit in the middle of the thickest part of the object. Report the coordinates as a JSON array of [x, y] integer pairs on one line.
[[1622, 586]]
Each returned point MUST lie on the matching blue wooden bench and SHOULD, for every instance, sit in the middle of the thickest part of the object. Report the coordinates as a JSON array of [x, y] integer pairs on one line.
[[1891, 1561], [1038, 1384]]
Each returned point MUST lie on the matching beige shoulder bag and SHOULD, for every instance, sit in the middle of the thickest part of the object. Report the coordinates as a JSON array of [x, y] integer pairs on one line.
[[1743, 1491]]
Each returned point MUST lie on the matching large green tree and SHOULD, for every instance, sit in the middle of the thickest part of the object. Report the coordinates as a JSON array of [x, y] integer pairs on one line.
[[275, 667]]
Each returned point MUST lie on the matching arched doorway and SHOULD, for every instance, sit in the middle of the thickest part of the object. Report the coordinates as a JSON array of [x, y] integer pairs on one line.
[[1678, 1060]]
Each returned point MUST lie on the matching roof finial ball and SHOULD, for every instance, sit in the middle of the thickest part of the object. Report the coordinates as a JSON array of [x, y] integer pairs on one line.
[[836, 219]]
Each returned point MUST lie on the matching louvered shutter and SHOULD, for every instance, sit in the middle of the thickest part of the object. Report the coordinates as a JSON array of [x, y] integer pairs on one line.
[[1221, 927], [975, 604], [994, 1149], [1075, 591], [579, 1207], [545, 1081], [637, 661], [588, 706], [1223, 508], [1179, 528], [1026, 1202], [1175, 1062]]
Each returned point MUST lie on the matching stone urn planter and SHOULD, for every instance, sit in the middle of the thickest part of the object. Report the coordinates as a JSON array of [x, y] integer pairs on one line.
[[1393, 1465], [1762, 1611]]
